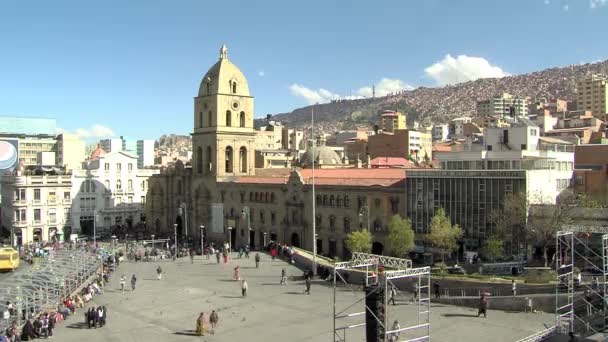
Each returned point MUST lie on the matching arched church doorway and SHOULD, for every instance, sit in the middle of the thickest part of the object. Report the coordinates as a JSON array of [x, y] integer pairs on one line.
[[295, 240]]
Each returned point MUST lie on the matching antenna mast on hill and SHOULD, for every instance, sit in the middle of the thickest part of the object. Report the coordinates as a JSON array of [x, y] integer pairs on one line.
[[373, 91]]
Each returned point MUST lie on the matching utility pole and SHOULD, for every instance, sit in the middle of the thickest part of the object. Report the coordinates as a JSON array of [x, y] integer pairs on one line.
[[314, 198], [175, 237]]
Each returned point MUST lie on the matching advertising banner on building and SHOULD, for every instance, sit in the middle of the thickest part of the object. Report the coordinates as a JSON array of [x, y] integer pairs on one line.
[[217, 217], [9, 155]]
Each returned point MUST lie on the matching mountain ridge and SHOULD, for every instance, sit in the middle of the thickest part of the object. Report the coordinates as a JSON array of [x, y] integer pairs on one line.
[[440, 104]]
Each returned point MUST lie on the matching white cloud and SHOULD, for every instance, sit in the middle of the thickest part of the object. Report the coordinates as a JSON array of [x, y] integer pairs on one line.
[[261, 73], [384, 87], [597, 3], [463, 68], [547, 2], [95, 131], [566, 8]]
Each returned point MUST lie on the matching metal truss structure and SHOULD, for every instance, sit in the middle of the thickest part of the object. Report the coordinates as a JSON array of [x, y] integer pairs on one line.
[[564, 267], [586, 229], [386, 261], [46, 285], [580, 314], [383, 271]]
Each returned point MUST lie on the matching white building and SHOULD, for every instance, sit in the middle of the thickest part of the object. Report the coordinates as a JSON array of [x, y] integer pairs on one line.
[[36, 204], [441, 132], [503, 104], [548, 165], [457, 126], [111, 190], [145, 153], [111, 145]]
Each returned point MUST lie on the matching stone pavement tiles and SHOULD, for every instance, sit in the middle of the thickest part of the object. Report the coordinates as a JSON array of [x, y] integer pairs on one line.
[[166, 310]]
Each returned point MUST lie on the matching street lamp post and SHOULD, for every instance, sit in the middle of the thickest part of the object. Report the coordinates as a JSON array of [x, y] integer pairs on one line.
[[184, 207], [175, 237], [202, 241], [230, 240], [265, 239], [153, 241], [94, 229]]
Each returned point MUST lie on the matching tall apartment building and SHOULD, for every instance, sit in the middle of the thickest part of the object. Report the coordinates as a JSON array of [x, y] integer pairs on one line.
[[68, 148], [27, 125], [391, 121], [129, 145], [441, 132], [591, 94], [36, 205], [111, 144], [503, 104], [145, 153], [403, 143]]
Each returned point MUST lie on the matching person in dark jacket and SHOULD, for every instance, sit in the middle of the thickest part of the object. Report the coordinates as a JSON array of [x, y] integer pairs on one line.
[[28, 333]]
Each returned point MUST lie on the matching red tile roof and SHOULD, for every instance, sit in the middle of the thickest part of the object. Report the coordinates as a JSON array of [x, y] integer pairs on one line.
[[336, 177], [391, 161]]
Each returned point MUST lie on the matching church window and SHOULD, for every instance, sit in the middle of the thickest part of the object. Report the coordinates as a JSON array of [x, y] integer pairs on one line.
[[234, 87], [209, 160], [242, 119], [199, 160], [200, 119], [210, 117], [229, 156], [208, 87], [243, 159], [228, 118]]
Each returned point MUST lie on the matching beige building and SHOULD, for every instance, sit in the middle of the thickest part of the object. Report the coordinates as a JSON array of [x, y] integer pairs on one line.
[[404, 143], [70, 151], [391, 121], [591, 94]]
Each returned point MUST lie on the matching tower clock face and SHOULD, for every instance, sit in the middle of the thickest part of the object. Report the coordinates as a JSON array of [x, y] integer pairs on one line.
[[235, 104]]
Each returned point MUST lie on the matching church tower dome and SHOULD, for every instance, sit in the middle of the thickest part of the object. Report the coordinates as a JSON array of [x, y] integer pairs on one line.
[[224, 78]]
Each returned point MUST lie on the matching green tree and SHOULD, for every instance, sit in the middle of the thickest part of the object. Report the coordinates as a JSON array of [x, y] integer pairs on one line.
[[493, 247], [547, 219], [510, 220], [400, 236], [443, 234], [359, 241]]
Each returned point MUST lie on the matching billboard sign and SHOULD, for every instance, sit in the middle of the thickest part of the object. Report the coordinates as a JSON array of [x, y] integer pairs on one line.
[[9, 155]]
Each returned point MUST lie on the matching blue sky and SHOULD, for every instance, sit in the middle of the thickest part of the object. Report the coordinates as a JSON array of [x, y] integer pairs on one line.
[[132, 67]]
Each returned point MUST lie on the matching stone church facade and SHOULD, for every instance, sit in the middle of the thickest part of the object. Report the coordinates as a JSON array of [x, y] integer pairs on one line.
[[223, 191]]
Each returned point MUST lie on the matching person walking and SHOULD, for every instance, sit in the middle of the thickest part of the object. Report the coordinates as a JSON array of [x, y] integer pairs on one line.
[[436, 287], [416, 290], [236, 276], [213, 319], [483, 305], [100, 316], [244, 288], [393, 295], [133, 282], [514, 287], [200, 324], [123, 281], [283, 277], [217, 256], [159, 273], [308, 283], [247, 251], [394, 337], [192, 252], [257, 260]]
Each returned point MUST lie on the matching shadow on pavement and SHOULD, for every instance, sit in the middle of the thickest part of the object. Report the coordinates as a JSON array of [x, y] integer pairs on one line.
[[80, 325], [232, 296], [459, 315], [186, 333], [295, 293], [270, 284]]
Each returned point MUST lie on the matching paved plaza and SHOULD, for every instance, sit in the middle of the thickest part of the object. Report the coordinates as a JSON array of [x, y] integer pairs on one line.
[[166, 310]]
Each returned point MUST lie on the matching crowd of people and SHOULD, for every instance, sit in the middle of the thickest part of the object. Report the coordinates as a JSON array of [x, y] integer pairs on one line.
[[40, 324]]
